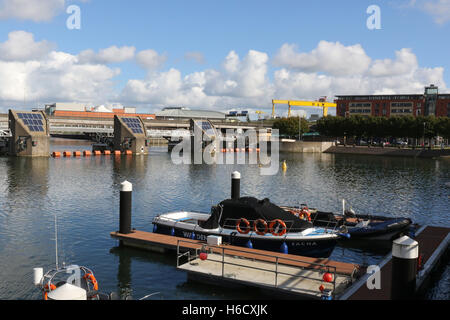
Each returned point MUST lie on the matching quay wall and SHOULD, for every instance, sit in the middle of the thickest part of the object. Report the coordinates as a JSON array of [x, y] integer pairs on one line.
[[305, 146], [395, 152]]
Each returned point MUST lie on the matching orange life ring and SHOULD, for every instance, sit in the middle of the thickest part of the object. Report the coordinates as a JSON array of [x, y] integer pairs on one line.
[[255, 227], [47, 290], [305, 215], [91, 278], [247, 226], [283, 230]]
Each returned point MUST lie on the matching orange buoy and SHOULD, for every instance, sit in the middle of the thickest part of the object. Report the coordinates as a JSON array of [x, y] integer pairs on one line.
[[242, 149], [117, 153], [97, 153], [236, 150], [250, 150], [107, 152], [246, 229], [90, 277], [273, 230], [258, 150], [86, 153], [327, 277], [256, 227], [67, 154], [77, 154], [129, 153], [56, 154]]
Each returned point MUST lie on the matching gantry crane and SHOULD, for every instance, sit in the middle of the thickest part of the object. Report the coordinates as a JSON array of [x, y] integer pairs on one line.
[[321, 103], [259, 113]]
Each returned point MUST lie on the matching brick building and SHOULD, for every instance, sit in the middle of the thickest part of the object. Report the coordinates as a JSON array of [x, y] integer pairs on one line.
[[429, 103]]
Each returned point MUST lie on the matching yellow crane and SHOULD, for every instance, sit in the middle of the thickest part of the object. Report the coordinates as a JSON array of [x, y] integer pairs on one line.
[[259, 113], [321, 103]]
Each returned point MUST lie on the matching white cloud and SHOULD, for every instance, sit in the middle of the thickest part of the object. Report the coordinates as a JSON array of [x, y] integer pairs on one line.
[[45, 74], [21, 46], [405, 63], [150, 59], [239, 81], [109, 55], [35, 10], [41, 73], [329, 57], [440, 10], [195, 56], [245, 82]]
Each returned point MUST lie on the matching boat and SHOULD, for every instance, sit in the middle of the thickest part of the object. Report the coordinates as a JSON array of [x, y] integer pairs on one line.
[[69, 283], [360, 226], [253, 223]]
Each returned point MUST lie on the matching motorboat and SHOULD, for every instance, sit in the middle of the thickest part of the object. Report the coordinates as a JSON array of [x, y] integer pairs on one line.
[[69, 283], [253, 223], [360, 226]]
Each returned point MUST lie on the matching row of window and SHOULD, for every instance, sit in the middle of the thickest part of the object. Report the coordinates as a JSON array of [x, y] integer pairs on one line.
[[381, 97], [360, 105], [401, 104], [401, 111], [360, 111]]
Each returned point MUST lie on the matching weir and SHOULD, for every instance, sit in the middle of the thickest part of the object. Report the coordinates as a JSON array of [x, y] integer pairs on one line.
[[29, 134], [130, 134]]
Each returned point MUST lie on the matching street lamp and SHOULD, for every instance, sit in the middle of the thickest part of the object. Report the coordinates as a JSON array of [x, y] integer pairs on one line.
[[424, 135]]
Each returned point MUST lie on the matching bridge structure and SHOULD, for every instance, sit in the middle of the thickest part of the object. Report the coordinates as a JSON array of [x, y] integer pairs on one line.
[[105, 127], [103, 130]]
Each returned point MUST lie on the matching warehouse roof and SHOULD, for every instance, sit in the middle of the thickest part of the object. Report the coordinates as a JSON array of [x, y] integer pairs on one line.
[[191, 114]]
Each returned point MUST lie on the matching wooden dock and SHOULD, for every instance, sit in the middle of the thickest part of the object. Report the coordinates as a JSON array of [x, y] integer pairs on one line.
[[295, 275], [161, 243], [286, 274], [433, 244]]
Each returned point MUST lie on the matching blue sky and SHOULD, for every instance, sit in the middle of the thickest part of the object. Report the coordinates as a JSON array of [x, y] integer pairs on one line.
[[214, 29]]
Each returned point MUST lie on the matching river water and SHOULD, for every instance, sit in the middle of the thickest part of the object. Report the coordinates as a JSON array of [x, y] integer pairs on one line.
[[83, 194]]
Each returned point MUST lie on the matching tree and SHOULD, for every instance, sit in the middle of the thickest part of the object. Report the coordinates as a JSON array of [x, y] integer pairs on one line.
[[291, 126]]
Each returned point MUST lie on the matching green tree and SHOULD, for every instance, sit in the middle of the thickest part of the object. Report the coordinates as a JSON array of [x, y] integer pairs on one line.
[[291, 126]]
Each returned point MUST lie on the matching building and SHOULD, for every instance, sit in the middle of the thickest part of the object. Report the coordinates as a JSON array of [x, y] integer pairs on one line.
[[428, 103], [183, 113], [80, 110]]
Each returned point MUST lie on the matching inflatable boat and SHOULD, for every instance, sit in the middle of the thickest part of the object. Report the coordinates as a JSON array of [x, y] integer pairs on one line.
[[367, 227], [252, 223]]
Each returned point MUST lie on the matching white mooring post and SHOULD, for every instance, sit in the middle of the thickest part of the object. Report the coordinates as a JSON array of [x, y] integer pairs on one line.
[[405, 252]]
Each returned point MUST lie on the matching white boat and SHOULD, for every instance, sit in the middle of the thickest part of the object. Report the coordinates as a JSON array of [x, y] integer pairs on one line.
[[252, 223]]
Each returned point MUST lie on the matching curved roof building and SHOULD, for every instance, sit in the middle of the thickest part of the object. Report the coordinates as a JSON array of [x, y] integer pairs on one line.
[[186, 113]]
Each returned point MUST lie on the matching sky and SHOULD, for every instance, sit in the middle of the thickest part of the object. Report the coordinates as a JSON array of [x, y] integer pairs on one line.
[[218, 55]]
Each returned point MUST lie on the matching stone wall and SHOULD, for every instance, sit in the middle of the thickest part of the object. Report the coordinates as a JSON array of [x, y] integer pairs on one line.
[[305, 146]]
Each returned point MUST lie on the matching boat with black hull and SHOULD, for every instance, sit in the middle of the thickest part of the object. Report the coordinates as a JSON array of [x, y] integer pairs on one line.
[[252, 223], [359, 226]]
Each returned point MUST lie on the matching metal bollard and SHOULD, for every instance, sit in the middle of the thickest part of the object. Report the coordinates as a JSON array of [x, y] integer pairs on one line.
[[126, 191], [235, 185], [405, 252]]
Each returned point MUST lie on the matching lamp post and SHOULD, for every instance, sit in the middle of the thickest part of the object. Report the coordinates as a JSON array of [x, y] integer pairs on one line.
[[424, 135]]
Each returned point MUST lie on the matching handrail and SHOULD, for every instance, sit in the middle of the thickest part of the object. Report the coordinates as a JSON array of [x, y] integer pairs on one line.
[[278, 260]]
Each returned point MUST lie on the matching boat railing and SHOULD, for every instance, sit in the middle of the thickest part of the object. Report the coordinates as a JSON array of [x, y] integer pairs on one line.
[[230, 223], [194, 249]]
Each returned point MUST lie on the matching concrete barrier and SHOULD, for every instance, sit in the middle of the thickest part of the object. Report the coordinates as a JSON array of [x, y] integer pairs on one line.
[[304, 146], [388, 151]]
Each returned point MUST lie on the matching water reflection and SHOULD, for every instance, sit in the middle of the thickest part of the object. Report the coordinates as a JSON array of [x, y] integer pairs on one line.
[[84, 194]]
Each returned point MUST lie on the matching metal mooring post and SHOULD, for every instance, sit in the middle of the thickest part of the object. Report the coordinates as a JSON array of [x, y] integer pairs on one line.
[[235, 185], [405, 252], [126, 191]]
